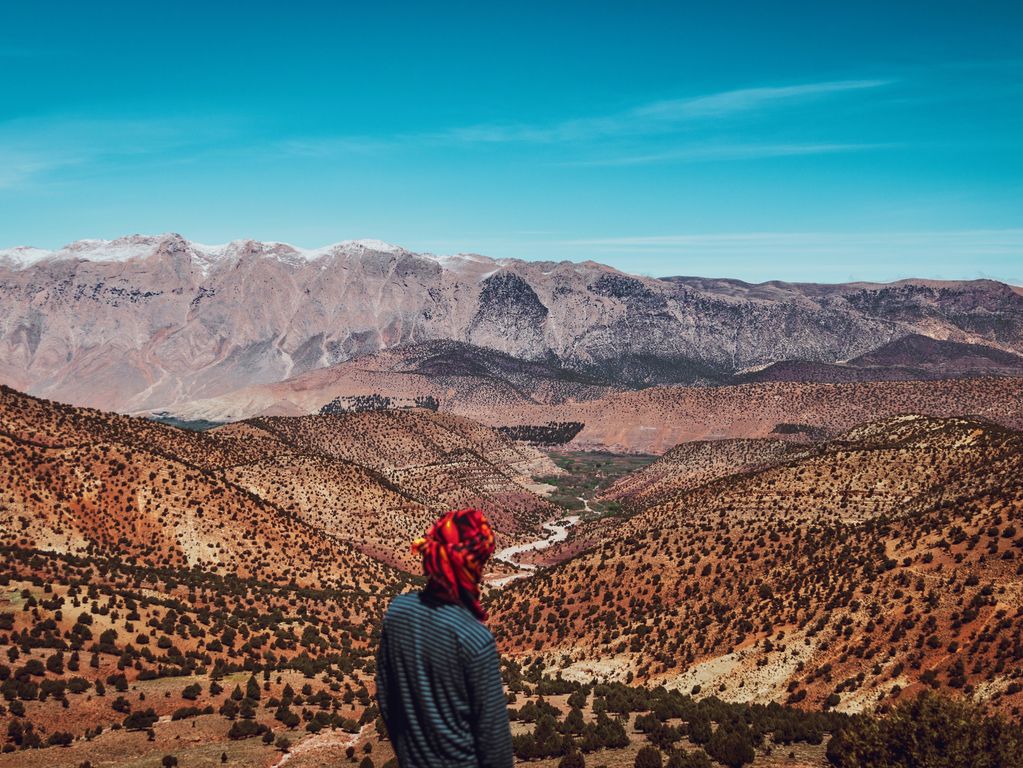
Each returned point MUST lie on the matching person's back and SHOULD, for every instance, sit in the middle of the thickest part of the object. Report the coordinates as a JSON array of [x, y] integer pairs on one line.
[[438, 675], [439, 686]]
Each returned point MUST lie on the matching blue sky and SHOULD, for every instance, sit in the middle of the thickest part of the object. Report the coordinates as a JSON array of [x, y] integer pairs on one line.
[[796, 141]]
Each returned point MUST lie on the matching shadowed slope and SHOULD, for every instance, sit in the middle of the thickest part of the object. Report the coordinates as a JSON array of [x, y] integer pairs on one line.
[[462, 378], [913, 357]]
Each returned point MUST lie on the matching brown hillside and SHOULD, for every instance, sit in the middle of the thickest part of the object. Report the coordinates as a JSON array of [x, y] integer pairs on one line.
[[173, 592], [438, 460], [689, 465], [653, 420], [911, 357], [119, 496], [78, 480], [884, 560]]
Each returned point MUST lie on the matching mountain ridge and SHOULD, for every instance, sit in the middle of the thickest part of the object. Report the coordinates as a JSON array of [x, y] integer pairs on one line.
[[119, 249], [144, 323]]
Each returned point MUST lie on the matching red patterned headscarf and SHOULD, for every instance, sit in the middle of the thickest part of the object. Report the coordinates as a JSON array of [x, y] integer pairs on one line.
[[454, 552]]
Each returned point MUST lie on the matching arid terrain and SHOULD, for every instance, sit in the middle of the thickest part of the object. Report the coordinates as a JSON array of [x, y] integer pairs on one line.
[[737, 524], [150, 571], [649, 372], [862, 568], [616, 419], [207, 594], [81, 481]]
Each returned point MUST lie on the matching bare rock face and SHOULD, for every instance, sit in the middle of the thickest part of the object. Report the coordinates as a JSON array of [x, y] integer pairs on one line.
[[144, 323], [510, 316]]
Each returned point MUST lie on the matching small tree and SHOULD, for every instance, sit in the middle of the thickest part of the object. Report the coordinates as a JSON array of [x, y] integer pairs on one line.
[[648, 757], [252, 689], [690, 759], [699, 729], [191, 692], [731, 747]]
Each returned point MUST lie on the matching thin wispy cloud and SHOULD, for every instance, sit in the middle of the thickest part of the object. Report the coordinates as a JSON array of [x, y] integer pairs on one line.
[[662, 117], [38, 148], [35, 148], [657, 116], [747, 99], [19, 167], [836, 256], [997, 242], [699, 154]]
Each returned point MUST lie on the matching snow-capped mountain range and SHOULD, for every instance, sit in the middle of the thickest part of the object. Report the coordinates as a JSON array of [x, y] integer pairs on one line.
[[205, 256], [151, 322]]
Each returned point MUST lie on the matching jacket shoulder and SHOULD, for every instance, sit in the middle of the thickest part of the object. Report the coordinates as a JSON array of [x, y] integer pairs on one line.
[[401, 605], [452, 619], [474, 636]]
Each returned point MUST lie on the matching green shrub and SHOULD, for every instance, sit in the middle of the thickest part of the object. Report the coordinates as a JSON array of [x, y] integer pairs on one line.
[[731, 746], [648, 757], [931, 731], [690, 759]]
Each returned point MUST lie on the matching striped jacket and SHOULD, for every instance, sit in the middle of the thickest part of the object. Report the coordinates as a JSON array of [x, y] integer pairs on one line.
[[439, 687]]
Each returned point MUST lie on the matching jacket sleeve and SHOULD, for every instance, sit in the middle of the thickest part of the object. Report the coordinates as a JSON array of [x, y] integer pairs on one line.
[[491, 729], [382, 680]]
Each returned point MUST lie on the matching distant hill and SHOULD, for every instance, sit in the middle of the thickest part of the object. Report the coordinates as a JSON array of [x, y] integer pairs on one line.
[[655, 419], [869, 567], [502, 391], [274, 498], [439, 461], [690, 465], [913, 357], [151, 323], [461, 378]]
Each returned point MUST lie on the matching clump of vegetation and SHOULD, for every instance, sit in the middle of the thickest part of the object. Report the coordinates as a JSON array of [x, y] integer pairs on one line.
[[552, 433], [807, 430], [730, 733], [930, 730], [367, 403], [587, 475]]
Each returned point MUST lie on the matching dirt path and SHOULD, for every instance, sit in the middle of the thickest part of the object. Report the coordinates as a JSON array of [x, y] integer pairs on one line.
[[322, 740]]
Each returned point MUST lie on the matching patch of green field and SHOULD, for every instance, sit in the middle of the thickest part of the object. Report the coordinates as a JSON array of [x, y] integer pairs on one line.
[[587, 475], [193, 425]]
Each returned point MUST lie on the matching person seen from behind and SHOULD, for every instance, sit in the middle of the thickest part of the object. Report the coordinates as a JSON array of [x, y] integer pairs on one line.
[[438, 676]]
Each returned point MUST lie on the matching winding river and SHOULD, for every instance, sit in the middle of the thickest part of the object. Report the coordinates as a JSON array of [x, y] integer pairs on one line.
[[557, 530]]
